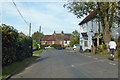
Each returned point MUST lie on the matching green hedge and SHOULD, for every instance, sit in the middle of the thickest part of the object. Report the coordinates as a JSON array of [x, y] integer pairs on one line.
[[55, 45], [14, 48]]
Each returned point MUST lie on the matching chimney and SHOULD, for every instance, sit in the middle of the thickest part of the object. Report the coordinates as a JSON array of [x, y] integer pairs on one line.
[[54, 32], [62, 32]]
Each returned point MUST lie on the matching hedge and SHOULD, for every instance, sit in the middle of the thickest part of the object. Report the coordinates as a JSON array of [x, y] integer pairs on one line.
[[14, 47]]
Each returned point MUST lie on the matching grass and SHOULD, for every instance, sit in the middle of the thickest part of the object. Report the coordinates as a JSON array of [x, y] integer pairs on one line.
[[50, 49], [106, 53], [11, 68], [37, 52]]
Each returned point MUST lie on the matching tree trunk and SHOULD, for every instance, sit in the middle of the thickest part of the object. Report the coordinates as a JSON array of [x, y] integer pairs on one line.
[[106, 31]]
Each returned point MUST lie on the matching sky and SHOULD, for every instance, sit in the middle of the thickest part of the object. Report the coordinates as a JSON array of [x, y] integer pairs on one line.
[[49, 15]]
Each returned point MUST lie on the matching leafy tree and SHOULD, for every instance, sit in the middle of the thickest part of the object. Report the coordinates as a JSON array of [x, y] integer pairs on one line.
[[107, 13], [74, 39], [35, 36], [75, 33]]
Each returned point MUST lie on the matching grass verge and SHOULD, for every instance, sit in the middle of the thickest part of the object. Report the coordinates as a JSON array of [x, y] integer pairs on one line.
[[37, 52], [11, 68], [50, 49]]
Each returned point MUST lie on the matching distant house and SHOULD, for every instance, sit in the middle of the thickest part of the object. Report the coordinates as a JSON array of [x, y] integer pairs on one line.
[[21, 34], [57, 38], [89, 26]]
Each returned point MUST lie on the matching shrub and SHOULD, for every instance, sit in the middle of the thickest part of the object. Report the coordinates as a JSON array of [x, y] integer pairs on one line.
[[9, 39], [14, 47], [55, 45]]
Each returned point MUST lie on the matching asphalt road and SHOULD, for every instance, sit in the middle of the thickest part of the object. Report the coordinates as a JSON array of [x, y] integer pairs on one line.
[[70, 64]]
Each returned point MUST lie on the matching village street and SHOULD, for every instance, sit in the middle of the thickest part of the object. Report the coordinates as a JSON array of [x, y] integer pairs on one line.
[[70, 64]]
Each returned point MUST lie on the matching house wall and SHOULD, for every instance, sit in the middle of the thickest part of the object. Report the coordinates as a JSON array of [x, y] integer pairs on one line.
[[55, 42], [86, 27], [66, 44]]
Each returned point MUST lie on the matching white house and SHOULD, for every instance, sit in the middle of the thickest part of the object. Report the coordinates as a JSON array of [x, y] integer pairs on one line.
[[88, 27]]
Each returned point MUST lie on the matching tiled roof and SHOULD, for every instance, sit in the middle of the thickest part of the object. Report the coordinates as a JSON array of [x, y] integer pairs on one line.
[[21, 34], [91, 16], [46, 37], [57, 37]]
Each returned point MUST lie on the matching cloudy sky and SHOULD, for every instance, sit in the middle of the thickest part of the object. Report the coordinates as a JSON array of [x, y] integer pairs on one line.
[[50, 15]]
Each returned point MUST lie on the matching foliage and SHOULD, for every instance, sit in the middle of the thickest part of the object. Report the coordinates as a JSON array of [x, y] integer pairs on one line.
[[98, 50], [55, 45], [75, 33], [24, 48], [35, 45], [43, 46], [75, 39], [9, 40], [14, 47], [35, 36], [37, 52], [106, 13]]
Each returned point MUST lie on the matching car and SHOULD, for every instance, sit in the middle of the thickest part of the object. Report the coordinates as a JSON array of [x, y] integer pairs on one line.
[[48, 47], [76, 46]]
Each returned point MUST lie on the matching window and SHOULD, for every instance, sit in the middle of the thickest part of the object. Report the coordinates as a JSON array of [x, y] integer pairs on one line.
[[52, 42], [66, 42], [86, 43], [86, 38], [60, 42], [43, 42]]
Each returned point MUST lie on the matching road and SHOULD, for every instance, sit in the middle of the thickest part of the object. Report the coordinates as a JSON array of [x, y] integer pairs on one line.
[[70, 64]]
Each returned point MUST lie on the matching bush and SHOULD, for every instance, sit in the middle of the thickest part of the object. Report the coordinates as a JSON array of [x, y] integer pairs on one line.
[[43, 46], [24, 48], [9, 39], [55, 45], [98, 50], [14, 48]]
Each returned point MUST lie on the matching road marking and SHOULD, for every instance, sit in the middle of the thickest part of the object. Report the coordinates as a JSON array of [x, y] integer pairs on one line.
[[73, 66]]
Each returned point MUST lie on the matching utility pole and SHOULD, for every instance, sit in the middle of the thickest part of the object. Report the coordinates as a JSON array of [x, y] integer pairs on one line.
[[39, 35], [30, 29]]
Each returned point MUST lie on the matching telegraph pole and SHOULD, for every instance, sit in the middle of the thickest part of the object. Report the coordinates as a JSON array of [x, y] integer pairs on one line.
[[39, 35], [30, 29]]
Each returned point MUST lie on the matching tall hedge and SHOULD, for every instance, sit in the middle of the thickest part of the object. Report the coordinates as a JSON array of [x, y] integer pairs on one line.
[[14, 47]]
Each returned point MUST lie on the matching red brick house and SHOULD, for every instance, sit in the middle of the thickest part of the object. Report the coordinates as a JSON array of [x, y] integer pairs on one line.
[[56, 38], [21, 34]]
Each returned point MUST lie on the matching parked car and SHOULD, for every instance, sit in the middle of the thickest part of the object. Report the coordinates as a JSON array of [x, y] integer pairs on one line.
[[76, 46], [48, 47]]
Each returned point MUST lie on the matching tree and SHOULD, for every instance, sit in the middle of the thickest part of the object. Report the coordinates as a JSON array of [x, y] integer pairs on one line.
[[35, 36], [75, 33], [107, 12], [74, 39]]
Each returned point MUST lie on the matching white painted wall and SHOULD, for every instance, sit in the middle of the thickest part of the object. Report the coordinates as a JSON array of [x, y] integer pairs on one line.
[[87, 28], [66, 44]]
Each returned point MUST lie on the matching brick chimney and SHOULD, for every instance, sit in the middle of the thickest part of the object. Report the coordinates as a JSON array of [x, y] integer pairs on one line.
[[54, 32], [62, 32]]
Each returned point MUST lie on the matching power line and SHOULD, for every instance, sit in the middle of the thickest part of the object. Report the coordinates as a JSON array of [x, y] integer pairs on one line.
[[19, 12]]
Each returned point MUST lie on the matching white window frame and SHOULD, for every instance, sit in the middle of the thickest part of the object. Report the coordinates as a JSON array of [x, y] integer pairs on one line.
[[52, 42]]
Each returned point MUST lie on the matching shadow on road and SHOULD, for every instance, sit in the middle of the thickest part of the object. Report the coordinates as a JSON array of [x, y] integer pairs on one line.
[[40, 59]]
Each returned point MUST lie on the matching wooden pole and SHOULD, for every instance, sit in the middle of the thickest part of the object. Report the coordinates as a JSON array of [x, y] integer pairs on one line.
[[30, 29]]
